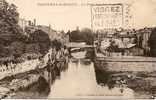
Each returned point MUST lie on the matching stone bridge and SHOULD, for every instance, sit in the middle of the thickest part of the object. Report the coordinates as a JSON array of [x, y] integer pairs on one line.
[[73, 46]]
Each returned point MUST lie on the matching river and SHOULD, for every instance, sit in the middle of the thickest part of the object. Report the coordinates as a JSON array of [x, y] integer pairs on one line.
[[81, 80]]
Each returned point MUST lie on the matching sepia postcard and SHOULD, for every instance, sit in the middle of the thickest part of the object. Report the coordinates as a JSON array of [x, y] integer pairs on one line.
[[78, 49]]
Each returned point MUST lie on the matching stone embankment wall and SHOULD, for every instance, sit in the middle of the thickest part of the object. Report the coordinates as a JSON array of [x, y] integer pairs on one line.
[[123, 64], [13, 69], [136, 73], [26, 75]]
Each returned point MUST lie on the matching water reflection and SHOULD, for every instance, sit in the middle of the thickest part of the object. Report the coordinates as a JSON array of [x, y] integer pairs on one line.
[[142, 83], [38, 90], [103, 78], [86, 62], [81, 80]]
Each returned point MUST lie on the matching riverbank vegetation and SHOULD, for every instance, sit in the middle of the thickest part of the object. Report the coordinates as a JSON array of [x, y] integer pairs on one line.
[[152, 43], [84, 35], [17, 44]]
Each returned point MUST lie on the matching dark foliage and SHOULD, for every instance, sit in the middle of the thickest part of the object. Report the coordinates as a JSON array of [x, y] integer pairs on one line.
[[10, 32], [17, 48], [56, 44], [39, 36], [40, 40], [85, 35], [152, 43]]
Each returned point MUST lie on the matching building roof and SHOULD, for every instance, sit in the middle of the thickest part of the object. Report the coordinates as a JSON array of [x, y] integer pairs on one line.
[[123, 45]]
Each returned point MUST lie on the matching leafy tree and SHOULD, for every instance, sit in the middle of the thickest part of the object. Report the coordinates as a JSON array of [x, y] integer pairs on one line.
[[85, 35], [9, 19], [10, 31], [152, 42], [17, 48], [39, 36], [75, 36], [32, 48], [41, 39], [56, 44]]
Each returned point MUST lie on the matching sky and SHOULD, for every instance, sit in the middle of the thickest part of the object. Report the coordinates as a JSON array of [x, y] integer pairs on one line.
[[69, 17]]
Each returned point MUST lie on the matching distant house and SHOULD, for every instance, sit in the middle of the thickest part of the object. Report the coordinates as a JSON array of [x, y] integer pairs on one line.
[[27, 25], [122, 49], [143, 39], [127, 43]]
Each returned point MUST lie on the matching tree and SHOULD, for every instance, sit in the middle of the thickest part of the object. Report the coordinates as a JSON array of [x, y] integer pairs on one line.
[[9, 19], [9, 22], [56, 44], [85, 35], [152, 43], [41, 39], [18, 48], [10, 31], [75, 36]]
